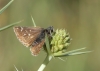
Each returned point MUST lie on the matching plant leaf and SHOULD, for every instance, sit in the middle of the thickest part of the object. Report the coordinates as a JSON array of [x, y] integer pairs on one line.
[[33, 21], [6, 6], [8, 26], [47, 44]]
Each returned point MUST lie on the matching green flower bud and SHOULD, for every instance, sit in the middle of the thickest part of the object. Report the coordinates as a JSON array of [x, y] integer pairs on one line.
[[60, 47], [54, 49], [60, 41]]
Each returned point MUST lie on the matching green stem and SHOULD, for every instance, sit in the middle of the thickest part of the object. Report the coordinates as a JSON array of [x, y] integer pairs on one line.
[[33, 21], [49, 55], [44, 64], [6, 6], [3, 28]]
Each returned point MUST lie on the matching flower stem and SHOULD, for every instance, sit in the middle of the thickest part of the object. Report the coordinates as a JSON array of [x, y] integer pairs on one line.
[[6, 6], [44, 64], [8, 26]]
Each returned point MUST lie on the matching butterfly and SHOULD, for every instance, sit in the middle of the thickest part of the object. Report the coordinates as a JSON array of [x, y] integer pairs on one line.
[[33, 37]]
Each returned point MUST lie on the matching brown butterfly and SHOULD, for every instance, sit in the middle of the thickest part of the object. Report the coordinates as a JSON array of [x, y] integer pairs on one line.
[[33, 37]]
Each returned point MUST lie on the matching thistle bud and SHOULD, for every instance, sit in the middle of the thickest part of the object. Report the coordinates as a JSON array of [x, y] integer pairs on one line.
[[60, 41]]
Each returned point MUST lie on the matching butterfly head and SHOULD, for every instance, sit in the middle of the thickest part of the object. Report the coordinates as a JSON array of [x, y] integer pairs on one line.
[[50, 30]]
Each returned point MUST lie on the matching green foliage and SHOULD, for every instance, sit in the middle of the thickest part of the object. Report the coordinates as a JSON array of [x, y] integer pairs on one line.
[[6, 6], [8, 26]]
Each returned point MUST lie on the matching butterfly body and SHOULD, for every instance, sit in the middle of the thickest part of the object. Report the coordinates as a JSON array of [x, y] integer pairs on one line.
[[33, 37]]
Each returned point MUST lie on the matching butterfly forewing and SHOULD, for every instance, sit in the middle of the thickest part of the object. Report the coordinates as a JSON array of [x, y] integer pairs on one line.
[[27, 35]]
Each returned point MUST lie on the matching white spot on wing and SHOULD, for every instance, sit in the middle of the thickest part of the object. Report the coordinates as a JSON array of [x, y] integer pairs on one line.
[[21, 28], [29, 34], [24, 34]]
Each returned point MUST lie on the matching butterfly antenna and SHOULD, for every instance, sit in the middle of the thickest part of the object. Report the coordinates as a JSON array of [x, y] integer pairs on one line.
[[33, 21]]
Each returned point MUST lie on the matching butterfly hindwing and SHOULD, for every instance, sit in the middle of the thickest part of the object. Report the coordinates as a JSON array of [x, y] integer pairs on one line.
[[37, 47]]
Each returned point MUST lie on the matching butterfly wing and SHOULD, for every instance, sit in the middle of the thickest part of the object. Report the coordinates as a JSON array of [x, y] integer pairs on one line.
[[37, 47], [27, 35]]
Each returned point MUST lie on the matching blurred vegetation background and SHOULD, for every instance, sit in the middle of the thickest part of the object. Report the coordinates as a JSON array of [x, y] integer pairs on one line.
[[81, 18]]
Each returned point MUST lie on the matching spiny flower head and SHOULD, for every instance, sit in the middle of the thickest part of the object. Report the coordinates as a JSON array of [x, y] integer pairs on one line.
[[60, 41]]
